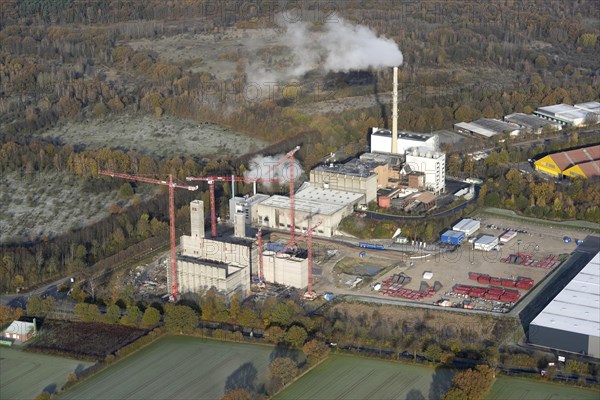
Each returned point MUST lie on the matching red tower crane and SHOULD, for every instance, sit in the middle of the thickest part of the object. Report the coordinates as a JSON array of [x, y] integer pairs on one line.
[[289, 155], [309, 293], [172, 185], [211, 187]]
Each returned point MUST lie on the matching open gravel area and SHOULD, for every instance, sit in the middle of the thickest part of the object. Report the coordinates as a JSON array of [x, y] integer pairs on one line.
[[449, 268]]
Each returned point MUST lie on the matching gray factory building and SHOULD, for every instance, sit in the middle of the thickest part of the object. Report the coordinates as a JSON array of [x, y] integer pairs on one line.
[[354, 176], [319, 204], [571, 322], [205, 263]]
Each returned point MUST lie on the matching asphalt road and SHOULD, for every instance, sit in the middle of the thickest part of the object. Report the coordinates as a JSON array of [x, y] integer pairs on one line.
[[20, 299]]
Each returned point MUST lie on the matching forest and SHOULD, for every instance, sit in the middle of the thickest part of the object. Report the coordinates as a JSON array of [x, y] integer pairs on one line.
[[68, 60]]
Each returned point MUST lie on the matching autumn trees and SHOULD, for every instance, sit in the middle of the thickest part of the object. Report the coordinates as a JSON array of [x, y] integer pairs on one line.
[[543, 199], [471, 384]]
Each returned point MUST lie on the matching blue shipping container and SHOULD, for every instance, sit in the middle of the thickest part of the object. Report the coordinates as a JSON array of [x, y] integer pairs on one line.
[[371, 246], [452, 237]]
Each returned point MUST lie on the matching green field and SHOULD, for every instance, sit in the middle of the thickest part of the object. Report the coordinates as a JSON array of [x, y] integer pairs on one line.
[[349, 377], [179, 368], [25, 375], [507, 387]]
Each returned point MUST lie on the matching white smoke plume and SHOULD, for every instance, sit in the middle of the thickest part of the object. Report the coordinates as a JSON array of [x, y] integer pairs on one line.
[[340, 47], [261, 167]]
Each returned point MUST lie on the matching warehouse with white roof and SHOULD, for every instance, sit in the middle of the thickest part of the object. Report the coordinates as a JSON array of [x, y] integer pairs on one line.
[[571, 322], [467, 226]]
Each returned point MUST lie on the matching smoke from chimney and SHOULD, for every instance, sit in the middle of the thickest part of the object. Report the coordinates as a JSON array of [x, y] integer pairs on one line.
[[340, 47], [259, 167]]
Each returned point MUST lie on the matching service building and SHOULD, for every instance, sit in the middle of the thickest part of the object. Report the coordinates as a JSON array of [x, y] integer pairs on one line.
[[310, 203], [381, 141], [432, 164], [467, 226], [485, 243], [354, 176], [564, 114]]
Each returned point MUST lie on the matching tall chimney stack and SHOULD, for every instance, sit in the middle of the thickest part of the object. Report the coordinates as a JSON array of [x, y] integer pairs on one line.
[[395, 113]]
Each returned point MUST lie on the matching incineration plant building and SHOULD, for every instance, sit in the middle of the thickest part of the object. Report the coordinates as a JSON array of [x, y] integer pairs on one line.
[[310, 203], [571, 322], [205, 263], [381, 141], [354, 176], [432, 164]]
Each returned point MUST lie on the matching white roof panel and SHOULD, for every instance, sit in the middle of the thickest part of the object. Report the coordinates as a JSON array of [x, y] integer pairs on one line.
[[577, 307], [486, 239], [557, 108], [466, 224], [316, 200], [592, 106]]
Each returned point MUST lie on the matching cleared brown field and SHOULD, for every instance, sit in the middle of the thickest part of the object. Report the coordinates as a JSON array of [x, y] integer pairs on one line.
[[83, 340]]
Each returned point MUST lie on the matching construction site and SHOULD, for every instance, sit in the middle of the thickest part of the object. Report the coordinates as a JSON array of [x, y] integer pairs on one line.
[[293, 241]]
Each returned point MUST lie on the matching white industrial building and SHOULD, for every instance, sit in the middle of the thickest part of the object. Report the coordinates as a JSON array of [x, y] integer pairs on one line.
[[485, 243], [487, 127], [353, 176], [205, 263], [590, 106], [571, 321], [467, 226], [381, 141], [432, 164], [564, 114], [285, 269], [246, 205], [319, 204]]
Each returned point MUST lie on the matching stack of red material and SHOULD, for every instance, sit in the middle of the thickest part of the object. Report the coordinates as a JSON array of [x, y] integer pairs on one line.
[[548, 262], [393, 287], [491, 293], [524, 283], [521, 282]]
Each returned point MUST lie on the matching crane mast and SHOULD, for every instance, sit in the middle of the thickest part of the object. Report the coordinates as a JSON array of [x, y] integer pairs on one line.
[[289, 155], [211, 188], [172, 186]]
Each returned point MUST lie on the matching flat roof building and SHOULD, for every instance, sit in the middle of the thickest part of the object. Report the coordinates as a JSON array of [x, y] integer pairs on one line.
[[452, 237], [590, 106], [532, 123], [468, 226], [319, 204], [485, 243], [245, 205], [487, 127], [381, 141], [205, 263], [432, 164], [353, 176], [564, 114], [571, 322]]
